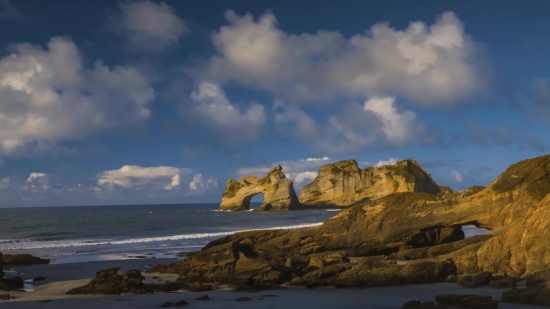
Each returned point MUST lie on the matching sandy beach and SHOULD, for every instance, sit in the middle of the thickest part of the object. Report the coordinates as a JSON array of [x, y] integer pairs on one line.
[[62, 277]]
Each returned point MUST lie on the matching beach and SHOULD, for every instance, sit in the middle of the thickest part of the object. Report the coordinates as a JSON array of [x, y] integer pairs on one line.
[[62, 277]]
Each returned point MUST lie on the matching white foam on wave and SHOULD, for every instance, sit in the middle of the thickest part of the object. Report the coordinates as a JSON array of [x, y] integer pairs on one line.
[[80, 243]]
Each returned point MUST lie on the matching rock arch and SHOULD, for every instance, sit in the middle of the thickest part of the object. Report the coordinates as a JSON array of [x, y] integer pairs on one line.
[[278, 192]]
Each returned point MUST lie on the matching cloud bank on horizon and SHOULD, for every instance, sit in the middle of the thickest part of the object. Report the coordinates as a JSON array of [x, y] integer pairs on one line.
[[236, 98]]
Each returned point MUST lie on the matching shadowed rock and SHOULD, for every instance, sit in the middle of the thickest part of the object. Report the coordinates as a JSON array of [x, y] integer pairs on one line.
[[278, 192], [23, 259], [9, 284], [109, 282]]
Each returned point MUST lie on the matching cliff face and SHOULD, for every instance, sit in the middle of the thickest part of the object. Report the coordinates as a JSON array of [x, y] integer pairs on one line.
[[344, 183], [278, 192]]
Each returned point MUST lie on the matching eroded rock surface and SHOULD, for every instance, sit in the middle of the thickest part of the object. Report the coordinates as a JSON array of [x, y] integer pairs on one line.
[[344, 183], [278, 192]]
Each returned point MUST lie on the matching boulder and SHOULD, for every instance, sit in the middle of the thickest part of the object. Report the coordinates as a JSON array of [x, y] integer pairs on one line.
[[534, 295], [471, 282], [109, 282], [344, 183], [4, 296], [278, 192], [502, 282]]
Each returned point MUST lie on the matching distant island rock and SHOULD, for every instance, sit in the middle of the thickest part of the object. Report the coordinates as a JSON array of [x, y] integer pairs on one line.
[[277, 189]]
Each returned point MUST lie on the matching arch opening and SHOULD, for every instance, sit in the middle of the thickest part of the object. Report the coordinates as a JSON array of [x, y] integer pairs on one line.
[[253, 201]]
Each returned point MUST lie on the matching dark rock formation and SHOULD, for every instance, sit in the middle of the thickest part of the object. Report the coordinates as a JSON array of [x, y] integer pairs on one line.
[[9, 284], [39, 279], [4, 296], [537, 295], [503, 282], [278, 192], [243, 299], [204, 297], [109, 282], [23, 259], [471, 282]]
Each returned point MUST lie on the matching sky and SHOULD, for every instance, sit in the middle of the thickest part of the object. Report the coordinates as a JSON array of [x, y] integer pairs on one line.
[[159, 102]]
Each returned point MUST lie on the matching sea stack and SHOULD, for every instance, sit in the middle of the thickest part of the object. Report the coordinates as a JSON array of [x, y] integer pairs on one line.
[[343, 183], [277, 189]]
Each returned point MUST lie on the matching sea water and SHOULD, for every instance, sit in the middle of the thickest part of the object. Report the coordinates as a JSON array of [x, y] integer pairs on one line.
[[73, 234]]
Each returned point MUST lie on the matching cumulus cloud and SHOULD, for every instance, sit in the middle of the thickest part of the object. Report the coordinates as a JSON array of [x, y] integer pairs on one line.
[[302, 177], [148, 26], [398, 126], [390, 161], [432, 65], [212, 108], [37, 180], [200, 185], [48, 95], [8, 11], [378, 123], [166, 177], [457, 175]]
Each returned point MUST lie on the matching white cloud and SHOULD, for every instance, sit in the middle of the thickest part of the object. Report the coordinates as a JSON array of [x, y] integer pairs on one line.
[[430, 65], [213, 108], [378, 123], [200, 185], [398, 126], [317, 159], [175, 182], [148, 26], [302, 177], [4, 183], [47, 96], [390, 161], [457, 176], [37, 180], [129, 176]]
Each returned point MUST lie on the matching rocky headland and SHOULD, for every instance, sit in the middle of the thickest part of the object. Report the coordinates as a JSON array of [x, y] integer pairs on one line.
[[408, 236]]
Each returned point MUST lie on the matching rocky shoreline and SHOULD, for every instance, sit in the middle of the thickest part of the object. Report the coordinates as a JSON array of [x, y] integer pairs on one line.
[[403, 238]]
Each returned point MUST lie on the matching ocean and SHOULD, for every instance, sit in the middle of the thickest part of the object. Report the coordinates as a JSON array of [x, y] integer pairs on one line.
[[78, 234]]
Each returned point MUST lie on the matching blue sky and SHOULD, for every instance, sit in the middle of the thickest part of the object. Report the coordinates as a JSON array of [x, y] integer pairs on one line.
[[144, 102]]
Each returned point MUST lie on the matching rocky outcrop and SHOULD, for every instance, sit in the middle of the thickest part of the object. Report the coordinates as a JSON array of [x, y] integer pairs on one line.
[[344, 183], [9, 284], [109, 282], [278, 192], [23, 259], [515, 207]]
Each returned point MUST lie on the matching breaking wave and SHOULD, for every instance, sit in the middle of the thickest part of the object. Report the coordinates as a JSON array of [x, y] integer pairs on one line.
[[23, 244]]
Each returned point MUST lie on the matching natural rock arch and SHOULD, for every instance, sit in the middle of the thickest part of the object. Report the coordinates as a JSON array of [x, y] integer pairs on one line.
[[278, 192]]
